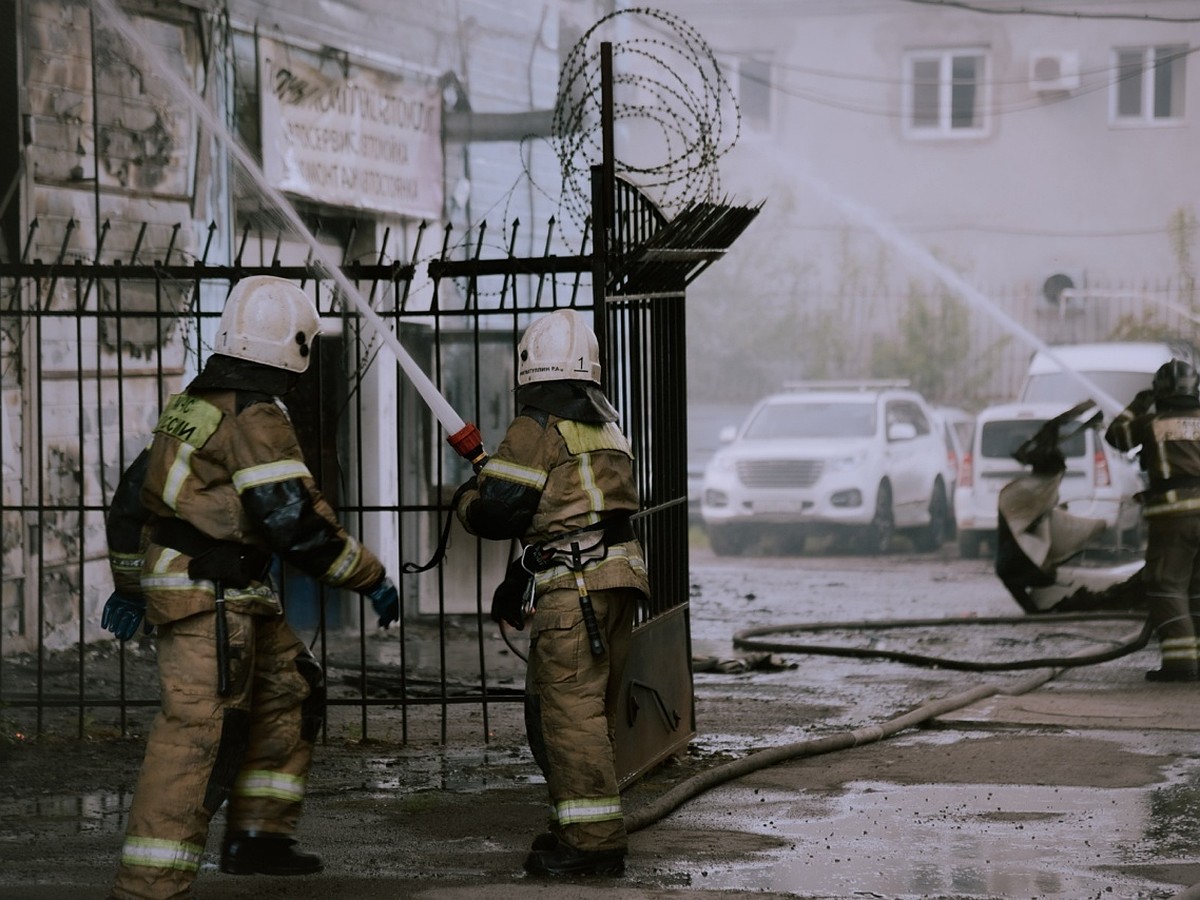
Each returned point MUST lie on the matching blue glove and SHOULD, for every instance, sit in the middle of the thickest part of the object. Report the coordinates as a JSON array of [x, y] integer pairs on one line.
[[386, 602], [122, 615]]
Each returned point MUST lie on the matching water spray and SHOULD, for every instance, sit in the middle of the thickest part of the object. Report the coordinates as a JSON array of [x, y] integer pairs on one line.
[[463, 436], [918, 254]]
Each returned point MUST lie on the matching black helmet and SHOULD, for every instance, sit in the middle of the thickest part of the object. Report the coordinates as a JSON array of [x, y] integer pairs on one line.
[[1175, 380]]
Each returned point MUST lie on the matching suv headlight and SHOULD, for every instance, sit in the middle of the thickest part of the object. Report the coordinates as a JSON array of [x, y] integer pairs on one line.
[[721, 464], [847, 499], [845, 463]]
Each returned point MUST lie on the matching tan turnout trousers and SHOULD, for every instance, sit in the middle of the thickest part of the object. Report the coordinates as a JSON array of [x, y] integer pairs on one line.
[[577, 695], [204, 748]]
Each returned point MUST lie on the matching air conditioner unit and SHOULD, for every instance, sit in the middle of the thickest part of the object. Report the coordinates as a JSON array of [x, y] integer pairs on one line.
[[1053, 70]]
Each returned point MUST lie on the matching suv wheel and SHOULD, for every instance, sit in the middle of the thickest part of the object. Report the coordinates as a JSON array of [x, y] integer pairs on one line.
[[934, 534], [726, 540], [877, 537]]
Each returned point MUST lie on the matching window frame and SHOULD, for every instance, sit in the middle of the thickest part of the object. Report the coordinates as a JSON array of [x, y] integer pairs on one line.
[[1148, 75], [945, 129]]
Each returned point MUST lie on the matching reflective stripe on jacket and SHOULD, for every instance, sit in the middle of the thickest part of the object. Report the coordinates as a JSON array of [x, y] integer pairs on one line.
[[229, 464], [1170, 456], [551, 476]]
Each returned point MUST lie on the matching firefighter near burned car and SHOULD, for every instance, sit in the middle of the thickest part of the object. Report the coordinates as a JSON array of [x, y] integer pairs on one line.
[[561, 482], [192, 532], [1165, 423]]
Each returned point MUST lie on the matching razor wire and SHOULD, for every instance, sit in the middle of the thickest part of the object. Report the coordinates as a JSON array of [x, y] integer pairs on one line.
[[670, 97]]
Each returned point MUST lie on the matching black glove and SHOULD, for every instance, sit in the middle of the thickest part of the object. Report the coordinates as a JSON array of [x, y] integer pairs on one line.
[[386, 602], [122, 615], [508, 602], [1142, 403]]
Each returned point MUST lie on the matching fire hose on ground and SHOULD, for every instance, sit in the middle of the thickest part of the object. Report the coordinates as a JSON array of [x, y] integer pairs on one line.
[[664, 805]]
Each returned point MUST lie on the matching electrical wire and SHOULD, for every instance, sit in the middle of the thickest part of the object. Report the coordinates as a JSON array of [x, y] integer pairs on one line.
[[1110, 75], [1058, 13]]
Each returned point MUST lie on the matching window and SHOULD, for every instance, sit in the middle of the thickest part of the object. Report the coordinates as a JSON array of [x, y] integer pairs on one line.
[[1149, 84], [1000, 439], [945, 93], [907, 413], [754, 93], [813, 419]]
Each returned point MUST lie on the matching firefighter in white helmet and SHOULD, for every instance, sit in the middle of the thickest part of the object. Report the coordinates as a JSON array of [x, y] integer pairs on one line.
[[562, 482], [192, 531], [1165, 422]]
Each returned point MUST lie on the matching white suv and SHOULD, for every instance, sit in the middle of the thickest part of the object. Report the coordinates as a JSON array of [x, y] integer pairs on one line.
[[851, 458], [1118, 368], [1100, 482]]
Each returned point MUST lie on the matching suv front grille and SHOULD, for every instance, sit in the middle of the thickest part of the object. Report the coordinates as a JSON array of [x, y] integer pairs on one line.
[[779, 473]]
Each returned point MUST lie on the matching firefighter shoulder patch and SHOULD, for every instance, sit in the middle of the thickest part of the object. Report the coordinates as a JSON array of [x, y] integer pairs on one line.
[[189, 419], [585, 437]]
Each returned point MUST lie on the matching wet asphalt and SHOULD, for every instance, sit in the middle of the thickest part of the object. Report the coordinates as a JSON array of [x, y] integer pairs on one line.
[[1043, 783]]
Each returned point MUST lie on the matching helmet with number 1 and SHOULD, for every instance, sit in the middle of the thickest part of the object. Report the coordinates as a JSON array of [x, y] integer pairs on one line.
[[1175, 380], [558, 347], [268, 320]]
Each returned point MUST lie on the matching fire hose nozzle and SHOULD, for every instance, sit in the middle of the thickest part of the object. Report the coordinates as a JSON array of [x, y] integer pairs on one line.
[[468, 443]]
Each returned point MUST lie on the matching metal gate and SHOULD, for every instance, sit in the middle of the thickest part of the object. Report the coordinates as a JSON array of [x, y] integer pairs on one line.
[[106, 345], [91, 351], [640, 267]]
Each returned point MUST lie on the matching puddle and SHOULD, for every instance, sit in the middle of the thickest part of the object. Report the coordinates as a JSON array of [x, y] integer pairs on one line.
[[448, 770], [98, 812], [967, 841]]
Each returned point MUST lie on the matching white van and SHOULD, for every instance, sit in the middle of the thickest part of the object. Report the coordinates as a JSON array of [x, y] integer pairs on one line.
[[1100, 482], [1118, 368]]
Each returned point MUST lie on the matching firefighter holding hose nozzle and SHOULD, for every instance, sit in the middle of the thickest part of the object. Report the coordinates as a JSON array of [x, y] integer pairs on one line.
[[562, 483], [192, 530], [1165, 422]]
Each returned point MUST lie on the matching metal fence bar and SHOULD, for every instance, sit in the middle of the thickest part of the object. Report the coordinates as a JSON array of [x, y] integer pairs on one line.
[[147, 324]]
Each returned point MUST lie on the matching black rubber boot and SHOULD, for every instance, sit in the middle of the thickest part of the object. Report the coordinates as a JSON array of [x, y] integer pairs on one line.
[[563, 859], [263, 853], [546, 841]]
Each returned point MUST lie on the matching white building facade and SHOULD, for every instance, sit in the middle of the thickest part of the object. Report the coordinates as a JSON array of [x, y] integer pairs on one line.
[[1009, 142]]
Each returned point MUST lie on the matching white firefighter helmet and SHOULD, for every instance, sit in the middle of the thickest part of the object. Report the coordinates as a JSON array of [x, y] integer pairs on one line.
[[268, 320], [558, 347]]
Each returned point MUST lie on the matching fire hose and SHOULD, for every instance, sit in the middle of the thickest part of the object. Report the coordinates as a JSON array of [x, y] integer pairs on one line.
[[463, 436], [750, 639], [665, 804]]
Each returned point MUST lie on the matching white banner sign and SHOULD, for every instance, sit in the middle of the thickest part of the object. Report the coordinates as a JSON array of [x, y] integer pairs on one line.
[[354, 137]]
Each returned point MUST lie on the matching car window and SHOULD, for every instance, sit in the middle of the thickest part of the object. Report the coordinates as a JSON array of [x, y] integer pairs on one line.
[[906, 411], [832, 419], [1058, 387], [1000, 439]]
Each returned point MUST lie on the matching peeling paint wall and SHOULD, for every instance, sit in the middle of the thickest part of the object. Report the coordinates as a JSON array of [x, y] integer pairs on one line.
[[115, 170], [111, 165]]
